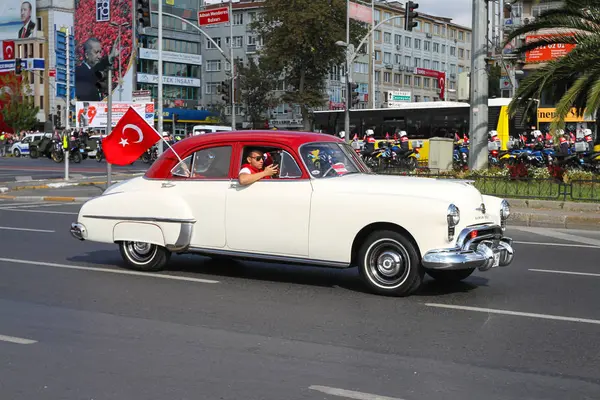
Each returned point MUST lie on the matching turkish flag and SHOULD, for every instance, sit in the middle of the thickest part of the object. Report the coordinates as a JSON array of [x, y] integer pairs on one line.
[[129, 139], [8, 49], [442, 84]]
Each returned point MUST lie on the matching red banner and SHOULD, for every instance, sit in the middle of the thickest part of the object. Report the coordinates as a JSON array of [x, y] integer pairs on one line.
[[213, 16], [8, 50], [547, 52], [360, 12], [440, 76]]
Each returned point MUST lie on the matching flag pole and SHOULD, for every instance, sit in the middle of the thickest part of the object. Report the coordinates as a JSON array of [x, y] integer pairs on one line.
[[168, 145]]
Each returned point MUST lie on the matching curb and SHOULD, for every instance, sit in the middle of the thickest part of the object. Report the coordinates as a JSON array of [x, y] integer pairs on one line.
[[45, 198], [537, 220], [53, 186], [554, 205]]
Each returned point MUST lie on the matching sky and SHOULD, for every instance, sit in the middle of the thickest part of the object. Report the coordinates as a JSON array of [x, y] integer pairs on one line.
[[458, 10]]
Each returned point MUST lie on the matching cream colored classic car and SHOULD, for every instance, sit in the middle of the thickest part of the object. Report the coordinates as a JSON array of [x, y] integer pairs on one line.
[[324, 208]]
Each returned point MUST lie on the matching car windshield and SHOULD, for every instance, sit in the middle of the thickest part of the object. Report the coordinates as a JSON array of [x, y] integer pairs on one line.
[[330, 159]]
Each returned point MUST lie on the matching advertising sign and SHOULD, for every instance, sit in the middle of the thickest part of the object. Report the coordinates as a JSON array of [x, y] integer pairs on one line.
[[169, 80], [93, 114], [97, 36], [17, 19], [171, 56], [547, 52], [213, 16], [360, 12], [548, 115], [440, 76]]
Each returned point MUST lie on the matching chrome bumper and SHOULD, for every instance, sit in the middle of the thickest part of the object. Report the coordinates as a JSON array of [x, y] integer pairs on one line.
[[78, 231], [483, 251]]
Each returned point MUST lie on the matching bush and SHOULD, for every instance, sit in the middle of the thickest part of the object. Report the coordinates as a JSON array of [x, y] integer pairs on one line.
[[577, 175]]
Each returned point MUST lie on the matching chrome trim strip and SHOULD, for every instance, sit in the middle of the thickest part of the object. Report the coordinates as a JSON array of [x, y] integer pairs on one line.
[[142, 219], [268, 257], [183, 241]]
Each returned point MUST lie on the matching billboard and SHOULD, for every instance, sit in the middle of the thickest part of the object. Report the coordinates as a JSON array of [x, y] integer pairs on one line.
[[547, 52], [438, 75], [98, 26], [94, 114], [17, 19]]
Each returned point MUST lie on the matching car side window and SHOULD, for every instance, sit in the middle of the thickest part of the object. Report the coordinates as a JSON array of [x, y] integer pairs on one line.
[[212, 163], [183, 168], [289, 169]]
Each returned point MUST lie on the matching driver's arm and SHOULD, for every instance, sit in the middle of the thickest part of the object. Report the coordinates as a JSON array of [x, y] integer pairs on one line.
[[247, 179]]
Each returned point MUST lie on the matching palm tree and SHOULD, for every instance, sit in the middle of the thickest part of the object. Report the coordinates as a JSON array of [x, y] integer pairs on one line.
[[575, 22]]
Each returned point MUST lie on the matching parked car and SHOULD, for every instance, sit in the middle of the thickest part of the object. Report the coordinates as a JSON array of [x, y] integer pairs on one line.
[[21, 148], [325, 208]]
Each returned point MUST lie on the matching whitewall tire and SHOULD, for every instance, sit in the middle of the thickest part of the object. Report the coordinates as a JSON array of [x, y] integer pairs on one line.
[[144, 256]]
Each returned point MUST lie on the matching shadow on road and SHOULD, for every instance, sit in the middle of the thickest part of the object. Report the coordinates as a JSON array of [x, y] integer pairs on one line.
[[273, 272]]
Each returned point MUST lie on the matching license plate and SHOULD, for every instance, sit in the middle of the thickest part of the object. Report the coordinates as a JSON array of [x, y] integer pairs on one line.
[[496, 260]]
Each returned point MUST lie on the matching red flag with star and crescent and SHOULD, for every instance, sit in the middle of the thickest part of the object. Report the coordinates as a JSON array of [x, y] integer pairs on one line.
[[129, 139]]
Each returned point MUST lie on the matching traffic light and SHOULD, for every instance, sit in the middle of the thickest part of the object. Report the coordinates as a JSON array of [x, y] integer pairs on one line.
[[17, 66], [143, 10], [354, 93], [225, 89], [410, 15]]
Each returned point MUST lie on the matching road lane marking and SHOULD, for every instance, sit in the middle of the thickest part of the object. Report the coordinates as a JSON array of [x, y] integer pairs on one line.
[[71, 203], [107, 270], [10, 228], [17, 340], [564, 272], [39, 211], [21, 203], [586, 246], [350, 394], [515, 313]]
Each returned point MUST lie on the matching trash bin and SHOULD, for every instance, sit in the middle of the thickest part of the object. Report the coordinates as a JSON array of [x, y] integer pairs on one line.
[[440, 154]]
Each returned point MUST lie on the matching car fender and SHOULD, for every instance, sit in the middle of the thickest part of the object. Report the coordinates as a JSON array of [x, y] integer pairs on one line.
[[168, 212], [138, 232]]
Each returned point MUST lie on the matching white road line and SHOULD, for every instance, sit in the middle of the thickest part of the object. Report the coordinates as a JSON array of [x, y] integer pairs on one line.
[[21, 203], [586, 246], [17, 340], [107, 270], [515, 313], [10, 228], [39, 211], [350, 394], [564, 272], [44, 205]]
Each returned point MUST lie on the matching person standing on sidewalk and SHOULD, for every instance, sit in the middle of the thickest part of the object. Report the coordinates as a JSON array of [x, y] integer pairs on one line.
[[2, 144]]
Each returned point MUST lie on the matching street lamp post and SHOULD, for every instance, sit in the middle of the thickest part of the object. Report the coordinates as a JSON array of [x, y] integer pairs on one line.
[[123, 25]]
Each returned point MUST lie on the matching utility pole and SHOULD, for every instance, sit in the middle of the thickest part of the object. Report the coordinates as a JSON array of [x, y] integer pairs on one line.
[[348, 75], [109, 123], [232, 65], [68, 108], [160, 75], [478, 155], [372, 55]]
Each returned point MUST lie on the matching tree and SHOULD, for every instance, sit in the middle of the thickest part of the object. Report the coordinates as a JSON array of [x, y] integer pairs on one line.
[[494, 81], [18, 109], [255, 83], [575, 22], [299, 38]]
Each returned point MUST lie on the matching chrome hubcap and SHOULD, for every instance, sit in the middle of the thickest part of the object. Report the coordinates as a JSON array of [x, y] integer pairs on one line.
[[141, 252], [388, 263]]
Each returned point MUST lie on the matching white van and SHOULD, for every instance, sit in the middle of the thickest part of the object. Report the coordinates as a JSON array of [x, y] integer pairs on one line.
[[202, 129]]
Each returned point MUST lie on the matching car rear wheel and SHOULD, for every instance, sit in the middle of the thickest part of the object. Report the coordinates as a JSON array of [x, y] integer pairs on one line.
[[389, 264], [17, 153], [450, 276], [145, 257]]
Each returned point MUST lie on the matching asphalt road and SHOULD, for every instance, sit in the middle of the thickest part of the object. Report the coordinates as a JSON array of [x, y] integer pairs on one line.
[[44, 168], [76, 325]]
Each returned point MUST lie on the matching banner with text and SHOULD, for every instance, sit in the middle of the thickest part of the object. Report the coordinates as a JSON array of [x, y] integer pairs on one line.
[[547, 52], [438, 75], [94, 114]]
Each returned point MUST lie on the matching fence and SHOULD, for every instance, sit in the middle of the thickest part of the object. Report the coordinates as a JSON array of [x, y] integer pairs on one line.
[[526, 188]]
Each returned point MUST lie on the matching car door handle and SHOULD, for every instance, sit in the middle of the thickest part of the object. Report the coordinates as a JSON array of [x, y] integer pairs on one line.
[[166, 185]]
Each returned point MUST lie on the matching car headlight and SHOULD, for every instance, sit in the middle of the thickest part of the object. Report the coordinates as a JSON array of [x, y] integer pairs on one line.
[[453, 218], [453, 215], [504, 210]]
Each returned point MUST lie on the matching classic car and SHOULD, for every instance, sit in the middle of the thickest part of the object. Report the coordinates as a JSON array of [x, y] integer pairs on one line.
[[324, 208]]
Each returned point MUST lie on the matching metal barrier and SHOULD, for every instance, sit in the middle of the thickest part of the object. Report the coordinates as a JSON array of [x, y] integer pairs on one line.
[[525, 188]]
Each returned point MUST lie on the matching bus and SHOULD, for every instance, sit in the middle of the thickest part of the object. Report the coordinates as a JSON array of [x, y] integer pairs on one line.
[[421, 121]]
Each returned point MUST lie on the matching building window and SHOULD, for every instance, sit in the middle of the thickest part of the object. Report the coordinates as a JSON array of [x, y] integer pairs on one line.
[[425, 63], [251, 17], [210, 45], [469, 54], [238, 18], [378, 36], [238, 41], [436, 29], [398, 59], [387, 58], [427, 27], [397, 79], [468, 37], [407, 80], [407, 61], [41, 102], [461, 53], [443, 66], [361, 68], [453, 51], [251, 40], [407, 42], [417, 44], [436, 47], [461, 36], [41, 49], [443, 49], [213, 65], [377, 55], [436, 65], [377, 16], [387, 15], [378, 76], [211, 87], [417, 62], [397, 40], [452, 33], [426, 82], [387, 37], [427, 45], [387, 77], [417, 81]]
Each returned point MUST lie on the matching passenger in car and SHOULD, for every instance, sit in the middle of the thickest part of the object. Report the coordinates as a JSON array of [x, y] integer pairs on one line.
[[254, 170]]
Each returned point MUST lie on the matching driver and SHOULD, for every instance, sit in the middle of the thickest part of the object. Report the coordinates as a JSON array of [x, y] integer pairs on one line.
[[254, 170]]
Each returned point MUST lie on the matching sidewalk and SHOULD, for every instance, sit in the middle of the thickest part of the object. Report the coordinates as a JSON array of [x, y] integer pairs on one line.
[[55, 184], [532, 213]]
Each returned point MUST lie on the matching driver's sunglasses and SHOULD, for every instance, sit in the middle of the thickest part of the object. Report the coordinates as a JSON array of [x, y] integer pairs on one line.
[[258, 158]]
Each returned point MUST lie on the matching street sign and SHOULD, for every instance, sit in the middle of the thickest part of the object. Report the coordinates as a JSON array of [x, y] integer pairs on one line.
[[213, 16], [52, 73], [401, 96]]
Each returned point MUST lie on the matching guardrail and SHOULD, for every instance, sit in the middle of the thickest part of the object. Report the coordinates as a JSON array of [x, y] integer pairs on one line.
[[587, 190]]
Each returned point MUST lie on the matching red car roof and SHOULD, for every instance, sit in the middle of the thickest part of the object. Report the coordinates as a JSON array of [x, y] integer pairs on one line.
[[294, 139]]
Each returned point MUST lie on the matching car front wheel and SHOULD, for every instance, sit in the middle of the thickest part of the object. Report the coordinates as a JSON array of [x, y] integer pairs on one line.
[[144, 257], [389, 264]]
